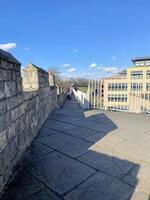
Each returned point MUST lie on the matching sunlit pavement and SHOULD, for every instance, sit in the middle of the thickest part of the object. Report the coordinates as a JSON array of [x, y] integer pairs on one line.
[[86, 155]]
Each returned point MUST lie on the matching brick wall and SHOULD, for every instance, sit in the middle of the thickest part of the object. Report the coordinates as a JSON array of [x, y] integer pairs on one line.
[[24, 107]]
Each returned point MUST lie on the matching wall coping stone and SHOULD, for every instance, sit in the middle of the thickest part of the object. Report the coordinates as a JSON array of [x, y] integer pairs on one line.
[[32, 66], [9, 57]]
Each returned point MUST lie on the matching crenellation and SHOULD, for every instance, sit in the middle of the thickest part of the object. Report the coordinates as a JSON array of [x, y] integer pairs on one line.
[[25, 104]]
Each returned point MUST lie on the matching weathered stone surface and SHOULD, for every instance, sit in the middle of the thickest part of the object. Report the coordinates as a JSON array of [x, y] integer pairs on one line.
[[95, 138], [134, 150], [44, 132], [101, 187], [67, 144], [140, 196], [61, 126], [82, 132], [109, 164], [36, 151], [26, 187], [8, 88], [110, 141], [2, 93], [104, 128], [59, 172], [133, 135], [2, 107], [5, 75], [143, 174]]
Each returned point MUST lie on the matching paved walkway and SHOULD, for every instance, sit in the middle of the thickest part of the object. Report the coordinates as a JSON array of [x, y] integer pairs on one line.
[[89, 155]]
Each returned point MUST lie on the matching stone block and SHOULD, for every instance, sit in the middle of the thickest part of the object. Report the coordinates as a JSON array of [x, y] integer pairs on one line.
[[2, 92], [59, 172], [62, 126], [82, 132], [5, 64], [101, 186], [14, 101], [10, 152], [2, 107], [5, 75], [2, 122], [3, 139], [11, 132], [27, 187], [66, 144], [14, 88], [107, 163], [19, 86], [2, 165], [2, 183], [8, 88]]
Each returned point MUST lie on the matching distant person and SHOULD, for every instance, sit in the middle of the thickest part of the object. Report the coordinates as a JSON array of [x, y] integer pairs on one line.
[[69, 95]]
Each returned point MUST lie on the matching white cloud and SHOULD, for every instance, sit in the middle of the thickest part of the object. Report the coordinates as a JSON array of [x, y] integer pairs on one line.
[[26, 48], [71, 70], [8, 46], [66, 65], [93, 65], [113, 58], [75, 50], [110, 69], [100, 66]]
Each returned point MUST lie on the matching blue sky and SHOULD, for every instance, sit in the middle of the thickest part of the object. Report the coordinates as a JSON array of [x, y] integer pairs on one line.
[[80, 37]]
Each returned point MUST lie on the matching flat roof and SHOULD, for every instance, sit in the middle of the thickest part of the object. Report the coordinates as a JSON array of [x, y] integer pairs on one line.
[[141, 59]]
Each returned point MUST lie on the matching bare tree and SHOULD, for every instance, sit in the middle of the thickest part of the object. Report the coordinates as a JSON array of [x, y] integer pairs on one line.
[[59, 79]]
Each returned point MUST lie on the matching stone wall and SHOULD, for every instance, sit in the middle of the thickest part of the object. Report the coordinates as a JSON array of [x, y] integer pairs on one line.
[[24, 107]]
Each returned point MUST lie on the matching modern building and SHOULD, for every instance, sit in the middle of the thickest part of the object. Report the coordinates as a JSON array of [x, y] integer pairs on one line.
[[129, 90]]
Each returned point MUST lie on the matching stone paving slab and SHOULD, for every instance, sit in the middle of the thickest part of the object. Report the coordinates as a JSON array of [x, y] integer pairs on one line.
[[133, 135], [110, 141], [83, 132], [100, 119], [26, 187], [61, 126], [64, 117], [109, 164], [44, 131], [136, 151], [36, 151], [66, 144], [95, 138], [101, 187], [104, 128], [140, 196], [142, 173], [59, 172]]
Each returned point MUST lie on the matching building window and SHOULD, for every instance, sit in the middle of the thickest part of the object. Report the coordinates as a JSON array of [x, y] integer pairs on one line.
[[147, 63], [136, 74], [145, 96], [117, 87], [148, 86], [136, 86], [117, 98], [119, 108], [148, 74]]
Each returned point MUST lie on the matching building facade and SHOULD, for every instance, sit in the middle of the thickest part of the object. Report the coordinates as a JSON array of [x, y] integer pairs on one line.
[[129, 90]]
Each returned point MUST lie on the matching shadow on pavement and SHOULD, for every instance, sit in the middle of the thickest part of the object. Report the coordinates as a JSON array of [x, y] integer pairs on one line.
[[70, 159]]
